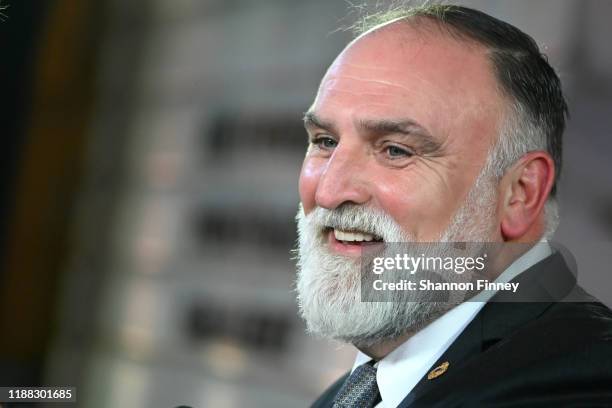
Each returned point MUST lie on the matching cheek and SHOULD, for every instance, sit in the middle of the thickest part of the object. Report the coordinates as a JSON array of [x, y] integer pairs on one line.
[[421, 208], [309, 178], [397, 199]]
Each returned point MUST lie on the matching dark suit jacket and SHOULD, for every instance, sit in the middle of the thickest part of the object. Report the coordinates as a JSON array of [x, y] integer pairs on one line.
[[528, 354]]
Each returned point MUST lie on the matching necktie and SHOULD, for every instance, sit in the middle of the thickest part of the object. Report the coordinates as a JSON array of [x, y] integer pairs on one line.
[[360, 389]]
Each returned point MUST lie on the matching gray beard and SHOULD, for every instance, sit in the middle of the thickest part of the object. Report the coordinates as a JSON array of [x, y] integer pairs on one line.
[[329, 285]]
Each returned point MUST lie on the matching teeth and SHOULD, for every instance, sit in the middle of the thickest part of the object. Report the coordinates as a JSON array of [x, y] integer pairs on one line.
[[352, 236]]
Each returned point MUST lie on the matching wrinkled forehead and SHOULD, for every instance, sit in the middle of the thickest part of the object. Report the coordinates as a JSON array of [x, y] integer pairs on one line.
[[441, 80]]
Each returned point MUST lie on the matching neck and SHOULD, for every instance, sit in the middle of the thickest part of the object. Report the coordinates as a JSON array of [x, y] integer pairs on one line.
[[380, 350]]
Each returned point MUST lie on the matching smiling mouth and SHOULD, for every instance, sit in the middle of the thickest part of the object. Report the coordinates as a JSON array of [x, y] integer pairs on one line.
[[354, 237]]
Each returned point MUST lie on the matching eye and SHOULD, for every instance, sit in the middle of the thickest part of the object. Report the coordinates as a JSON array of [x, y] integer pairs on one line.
[[324, 142], [398, 152]]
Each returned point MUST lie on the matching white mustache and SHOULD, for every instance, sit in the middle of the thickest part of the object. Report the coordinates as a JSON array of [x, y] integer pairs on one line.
[[353, 217]]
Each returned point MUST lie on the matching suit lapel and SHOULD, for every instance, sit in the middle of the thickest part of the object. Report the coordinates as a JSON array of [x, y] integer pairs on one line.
[[465, 346], [327, 399], [539, 286]]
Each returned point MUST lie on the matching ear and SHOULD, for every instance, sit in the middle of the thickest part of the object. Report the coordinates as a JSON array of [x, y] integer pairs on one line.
[[525, 189]]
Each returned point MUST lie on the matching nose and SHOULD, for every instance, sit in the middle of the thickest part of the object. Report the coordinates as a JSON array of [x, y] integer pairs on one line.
[[343, 179]]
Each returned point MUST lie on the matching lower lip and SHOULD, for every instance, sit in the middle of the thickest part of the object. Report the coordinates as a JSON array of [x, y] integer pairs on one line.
[[353, 249]]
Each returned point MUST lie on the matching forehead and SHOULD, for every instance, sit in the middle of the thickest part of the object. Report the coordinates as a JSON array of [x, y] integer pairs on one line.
[[437, 80]]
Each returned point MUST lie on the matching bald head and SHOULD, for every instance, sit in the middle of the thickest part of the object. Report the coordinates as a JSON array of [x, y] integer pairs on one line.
[[522, 71]]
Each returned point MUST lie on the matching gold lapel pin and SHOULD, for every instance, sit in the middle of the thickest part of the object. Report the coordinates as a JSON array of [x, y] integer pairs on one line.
[[438, 371]]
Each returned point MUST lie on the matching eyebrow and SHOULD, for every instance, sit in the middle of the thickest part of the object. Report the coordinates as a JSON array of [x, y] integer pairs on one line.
[[312, 120], [381, 127], [404, 126]]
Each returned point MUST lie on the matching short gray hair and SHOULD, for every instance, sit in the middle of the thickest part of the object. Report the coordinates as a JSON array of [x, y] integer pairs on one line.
[[518, 136]]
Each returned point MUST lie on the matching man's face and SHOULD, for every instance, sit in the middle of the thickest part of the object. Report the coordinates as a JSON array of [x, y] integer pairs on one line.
[[402, 122], [399, 132]]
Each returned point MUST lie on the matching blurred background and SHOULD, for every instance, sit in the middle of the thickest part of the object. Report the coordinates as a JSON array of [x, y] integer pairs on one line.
[[151, 150]]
